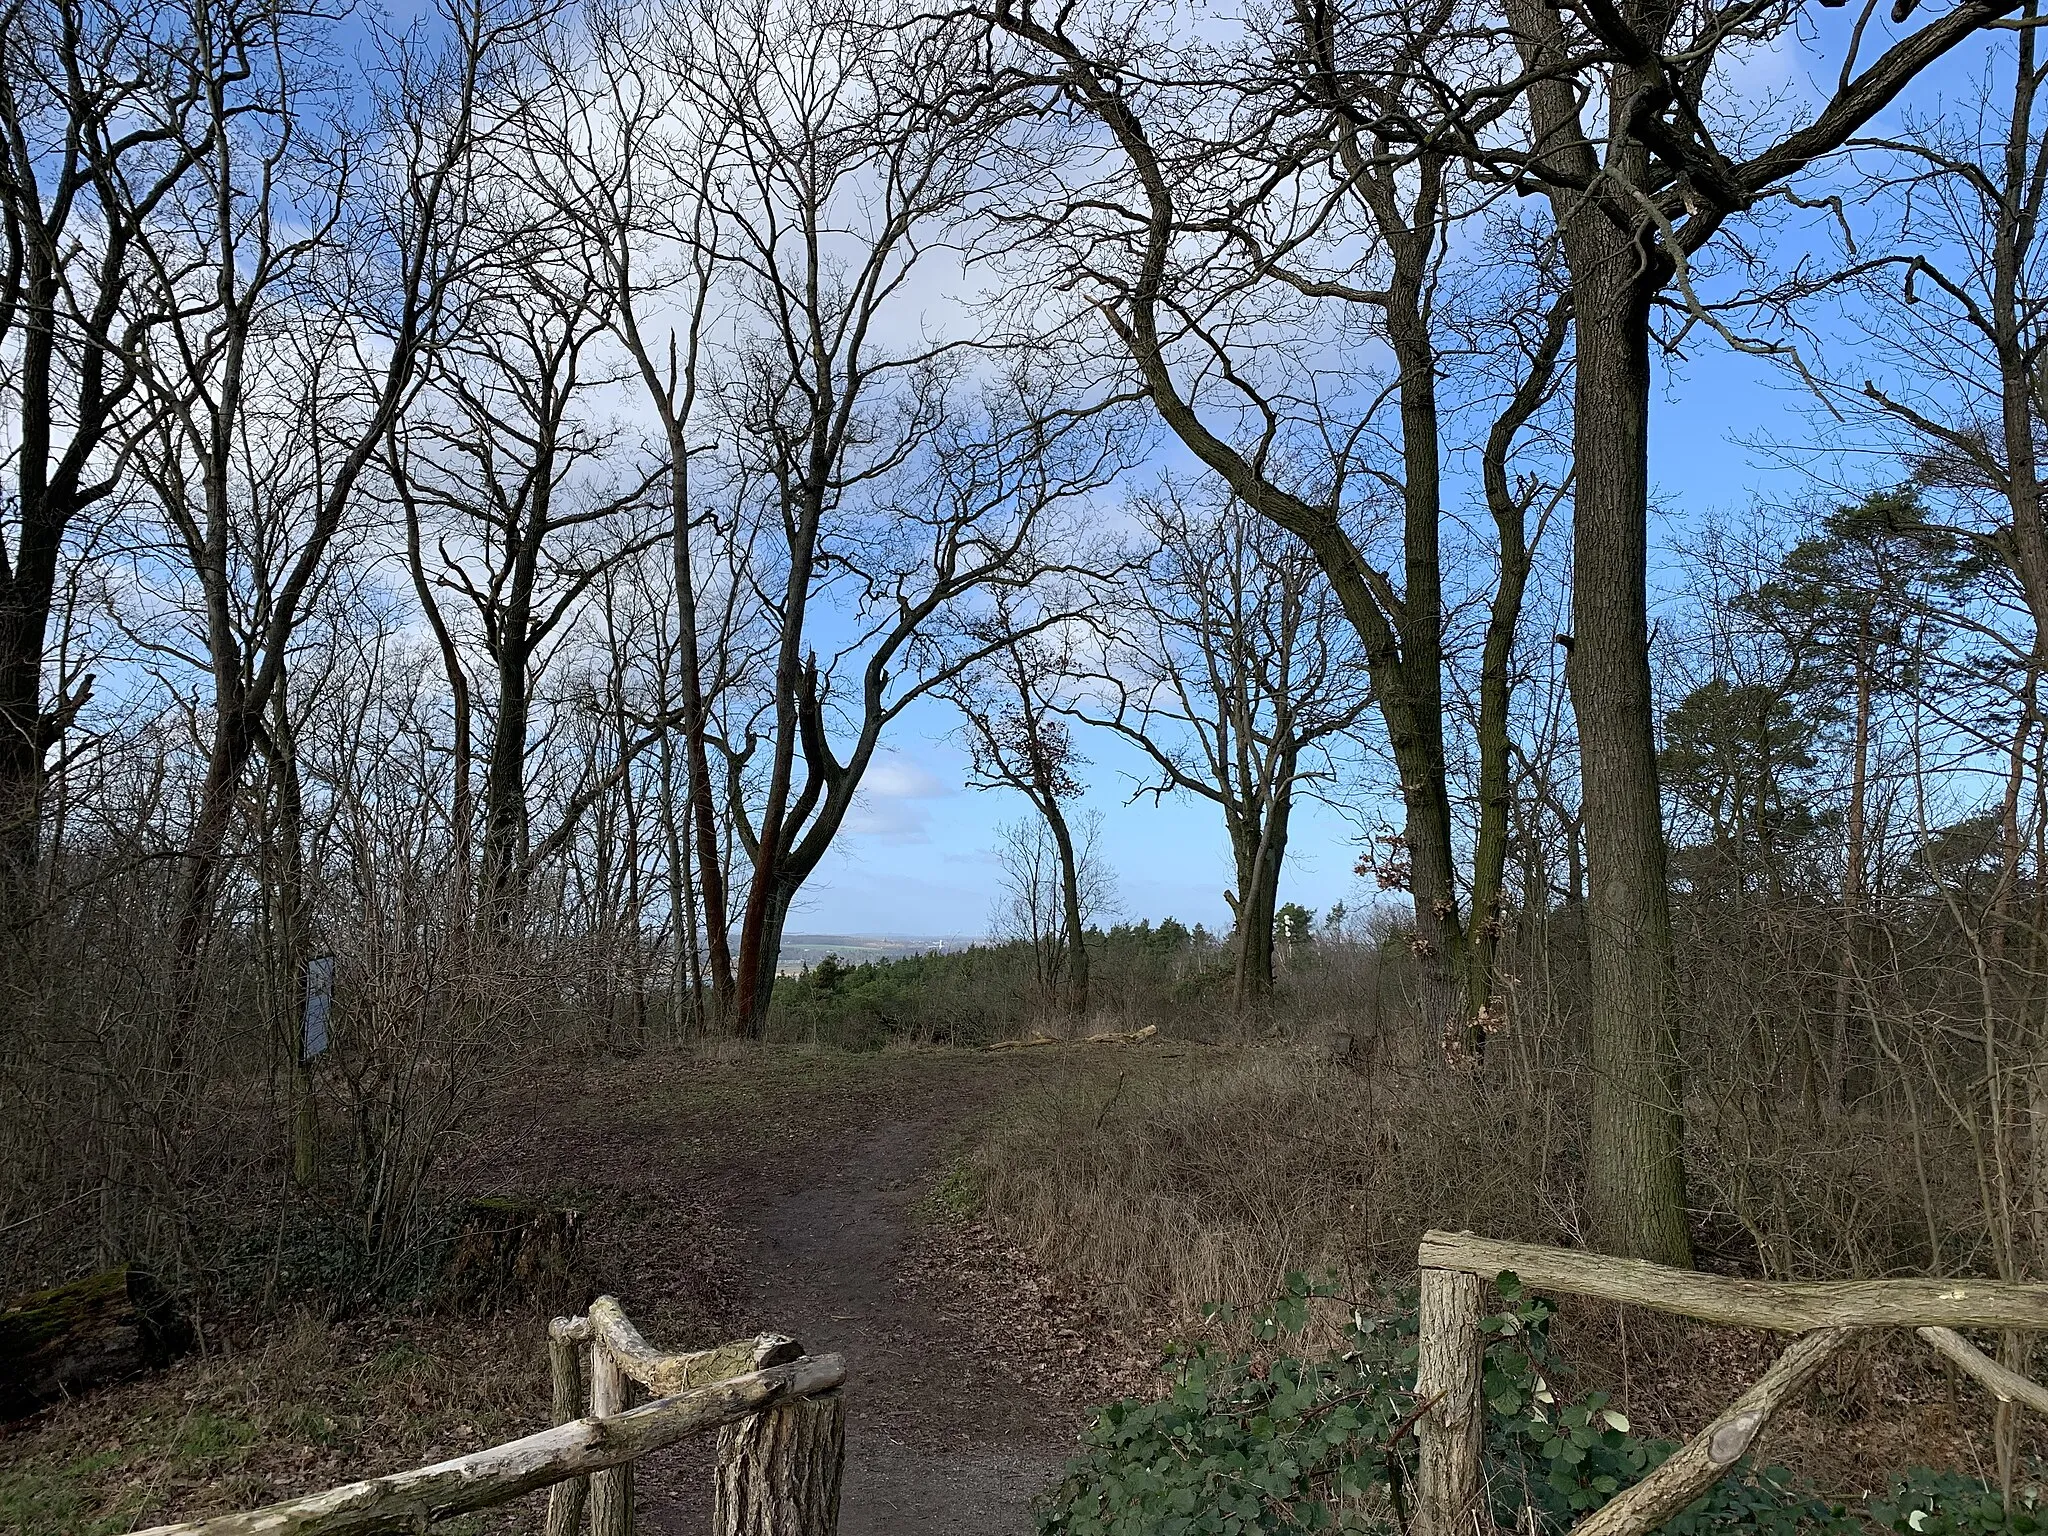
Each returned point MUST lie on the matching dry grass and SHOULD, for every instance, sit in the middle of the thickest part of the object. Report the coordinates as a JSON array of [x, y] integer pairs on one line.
[[1176, 1177], [1167, 1179]]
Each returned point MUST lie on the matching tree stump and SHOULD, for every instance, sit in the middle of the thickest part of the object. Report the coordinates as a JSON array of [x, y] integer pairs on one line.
[[74, 1337], [508, 1247], [779, 1471]]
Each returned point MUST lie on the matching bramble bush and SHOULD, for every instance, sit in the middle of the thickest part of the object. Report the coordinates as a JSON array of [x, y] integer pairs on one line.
[[1262, 1440]]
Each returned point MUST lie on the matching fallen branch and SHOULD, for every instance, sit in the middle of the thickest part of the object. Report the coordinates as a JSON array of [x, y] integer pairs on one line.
[[1126, 1037]]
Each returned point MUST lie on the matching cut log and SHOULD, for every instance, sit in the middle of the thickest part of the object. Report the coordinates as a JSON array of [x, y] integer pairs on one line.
[[567, 1337], [71, 1338], [611, 1491], [779, 1471], [508, 1247]]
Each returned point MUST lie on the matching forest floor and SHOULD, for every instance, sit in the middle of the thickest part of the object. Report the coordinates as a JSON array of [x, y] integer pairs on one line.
[[846, 1199], [819, 1205], [724, 1193]]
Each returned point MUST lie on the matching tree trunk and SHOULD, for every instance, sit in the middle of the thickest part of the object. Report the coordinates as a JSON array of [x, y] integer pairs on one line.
[[1070, 905], [1635, 1172], [764, 951], [1855, 857], [703, 815], [288, 841], [779, 1470], [21, 758], [685, 962], [505, 785], [1496, 684], [234, 743], [44, 503], [1442, 946], [1258, 904]]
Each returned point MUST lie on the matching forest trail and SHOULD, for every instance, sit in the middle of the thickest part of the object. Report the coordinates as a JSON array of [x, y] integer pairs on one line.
[[809, 1187], [937, 1440]]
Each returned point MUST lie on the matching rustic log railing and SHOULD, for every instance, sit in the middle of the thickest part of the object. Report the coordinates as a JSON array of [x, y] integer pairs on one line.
[[1825, 1316], [781, 1444]]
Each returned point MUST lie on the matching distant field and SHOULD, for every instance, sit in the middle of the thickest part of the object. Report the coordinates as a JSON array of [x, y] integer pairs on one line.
[[804, 949]]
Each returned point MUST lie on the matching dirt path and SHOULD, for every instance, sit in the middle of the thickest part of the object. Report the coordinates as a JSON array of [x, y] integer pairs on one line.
[[938, 1441], [807, 1180]]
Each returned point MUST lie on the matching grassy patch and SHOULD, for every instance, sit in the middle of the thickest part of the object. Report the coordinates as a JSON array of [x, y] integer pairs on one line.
[[955, 1195], [308, 1405], [66, 1497]]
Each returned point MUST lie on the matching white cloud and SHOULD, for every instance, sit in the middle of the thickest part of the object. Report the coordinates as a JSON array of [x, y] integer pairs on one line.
[[892, 776], [893, 805]]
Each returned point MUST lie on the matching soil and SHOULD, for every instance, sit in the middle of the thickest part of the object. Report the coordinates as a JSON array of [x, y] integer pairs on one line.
[[800, 1195]]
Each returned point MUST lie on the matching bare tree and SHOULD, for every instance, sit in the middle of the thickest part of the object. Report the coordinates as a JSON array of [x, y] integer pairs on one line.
[[1017, 741], [225, 275], [628, 156], [1268, 248], [1229, 663], [529, 502], [1637, 193], [103, 122], [1039, 902], [878, 491]]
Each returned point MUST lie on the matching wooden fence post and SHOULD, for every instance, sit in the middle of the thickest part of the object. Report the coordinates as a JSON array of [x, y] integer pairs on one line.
[[1449, 1363], [565, 1370], [778, 1472], [611, 1491]]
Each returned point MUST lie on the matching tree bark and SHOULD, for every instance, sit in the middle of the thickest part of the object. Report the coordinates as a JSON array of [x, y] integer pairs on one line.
[[1450, 1356], [779, 1471], [1258, 901], [760, 946], [1635, 1171], [291, 940], [611, 1491], [1070, 904]]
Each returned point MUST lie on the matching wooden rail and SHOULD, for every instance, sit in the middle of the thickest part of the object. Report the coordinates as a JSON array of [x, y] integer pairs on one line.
[[1825, 1316], [781, 1428], [1783, 1306]]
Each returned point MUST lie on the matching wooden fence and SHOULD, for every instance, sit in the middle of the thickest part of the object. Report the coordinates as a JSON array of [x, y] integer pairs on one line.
[[781, 1444], [1451, 1496]]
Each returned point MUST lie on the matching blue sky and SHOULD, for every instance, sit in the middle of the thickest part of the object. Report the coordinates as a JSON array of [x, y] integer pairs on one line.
[[915, 858]]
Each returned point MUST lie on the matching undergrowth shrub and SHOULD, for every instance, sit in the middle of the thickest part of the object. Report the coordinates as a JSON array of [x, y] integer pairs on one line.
[[1269, 1439]]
